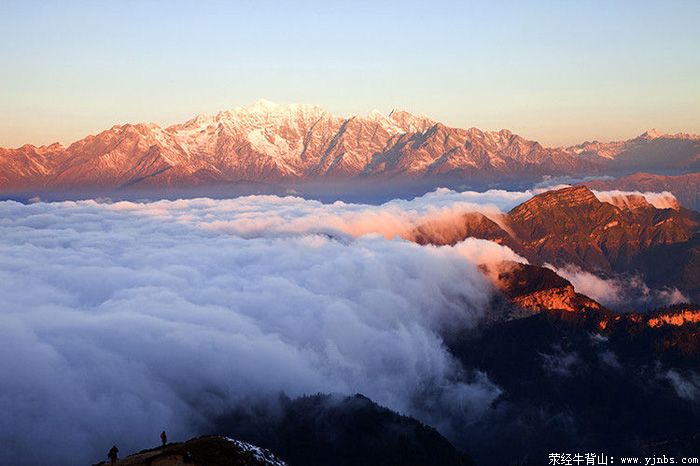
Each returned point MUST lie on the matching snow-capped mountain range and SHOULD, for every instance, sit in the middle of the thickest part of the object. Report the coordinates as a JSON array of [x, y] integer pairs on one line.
[[267, 142]]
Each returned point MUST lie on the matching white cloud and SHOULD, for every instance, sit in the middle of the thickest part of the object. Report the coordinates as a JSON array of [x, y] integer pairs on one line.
[[622, 292], [253, 216], [120, 320], [662, 200], [606, 291]]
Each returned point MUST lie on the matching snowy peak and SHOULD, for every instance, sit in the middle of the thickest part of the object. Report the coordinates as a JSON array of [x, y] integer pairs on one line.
[[650, 151], [262, 114], [271, 142], [267, 112], [264, 105], [655, 134], [651, 134], [411, 123], [200, 121]]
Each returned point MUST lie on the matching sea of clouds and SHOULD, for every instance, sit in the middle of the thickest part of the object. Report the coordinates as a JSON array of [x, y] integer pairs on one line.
[[119, 320]]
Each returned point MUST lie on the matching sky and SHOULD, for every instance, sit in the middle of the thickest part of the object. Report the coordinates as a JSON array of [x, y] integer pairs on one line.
[[558, 72]]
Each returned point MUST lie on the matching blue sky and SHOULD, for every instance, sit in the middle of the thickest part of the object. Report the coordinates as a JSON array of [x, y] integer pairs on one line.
[[559, 72]]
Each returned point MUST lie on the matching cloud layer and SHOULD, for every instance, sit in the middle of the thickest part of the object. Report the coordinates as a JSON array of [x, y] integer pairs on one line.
[[619, 292], [622, 199], [254, 216], [120, 320]]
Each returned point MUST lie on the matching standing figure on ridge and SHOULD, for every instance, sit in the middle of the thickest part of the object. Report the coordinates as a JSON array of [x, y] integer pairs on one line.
[[113, 455], [163, 438]]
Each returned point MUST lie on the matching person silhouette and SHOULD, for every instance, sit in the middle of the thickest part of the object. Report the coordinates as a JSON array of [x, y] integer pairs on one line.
[[113, 455], [163, 438]]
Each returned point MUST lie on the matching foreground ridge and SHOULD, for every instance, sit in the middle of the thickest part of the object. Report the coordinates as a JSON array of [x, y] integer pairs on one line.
[[203, 451]]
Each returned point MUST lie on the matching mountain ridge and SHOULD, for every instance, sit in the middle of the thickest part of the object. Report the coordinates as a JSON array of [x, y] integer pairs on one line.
[[572, 226], [268, 142]]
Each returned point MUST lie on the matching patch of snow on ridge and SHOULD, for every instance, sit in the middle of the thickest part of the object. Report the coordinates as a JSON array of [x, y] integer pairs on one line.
[[261, 454], [385, 122], [272, 145]]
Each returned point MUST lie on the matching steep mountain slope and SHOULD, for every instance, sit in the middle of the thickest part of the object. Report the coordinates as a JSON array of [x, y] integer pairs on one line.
[[29, 165], [573, 226], [268, 143], [532, 290]]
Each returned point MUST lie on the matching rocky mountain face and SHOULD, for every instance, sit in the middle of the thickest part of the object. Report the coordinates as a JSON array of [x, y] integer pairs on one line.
[[531, 289], [572, 225], [624, 234], [472, 224], [268, 143]]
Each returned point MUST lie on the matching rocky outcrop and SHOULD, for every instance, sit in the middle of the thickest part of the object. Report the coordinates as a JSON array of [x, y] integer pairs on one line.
[[533, 289], [449, 231]]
